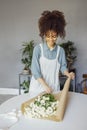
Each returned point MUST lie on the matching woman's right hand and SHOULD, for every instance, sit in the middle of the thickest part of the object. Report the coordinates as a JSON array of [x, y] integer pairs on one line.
[[48, 89], [45, 85]]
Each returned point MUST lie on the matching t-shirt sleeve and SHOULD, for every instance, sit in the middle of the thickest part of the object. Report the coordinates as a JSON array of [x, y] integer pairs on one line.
[[35, 65], [62, 60]]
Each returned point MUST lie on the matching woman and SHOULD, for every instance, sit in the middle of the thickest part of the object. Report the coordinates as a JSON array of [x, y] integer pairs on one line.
[[48, 57]]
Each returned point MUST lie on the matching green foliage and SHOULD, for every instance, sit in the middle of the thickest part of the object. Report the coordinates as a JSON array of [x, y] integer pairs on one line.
[[50, 96], [48, 101], [70, 52], [27, 52], [25, 86]]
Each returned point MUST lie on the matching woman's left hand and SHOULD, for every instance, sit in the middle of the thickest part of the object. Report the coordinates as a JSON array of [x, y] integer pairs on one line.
[[71, 75]]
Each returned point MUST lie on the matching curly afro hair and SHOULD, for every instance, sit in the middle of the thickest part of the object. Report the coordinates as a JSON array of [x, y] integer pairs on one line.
[[54, 20]]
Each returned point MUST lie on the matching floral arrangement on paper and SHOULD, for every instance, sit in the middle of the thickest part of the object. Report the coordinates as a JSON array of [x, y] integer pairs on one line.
[[43, 106]]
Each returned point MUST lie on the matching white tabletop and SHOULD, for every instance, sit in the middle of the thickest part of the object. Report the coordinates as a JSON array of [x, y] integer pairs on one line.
[[75, 117]]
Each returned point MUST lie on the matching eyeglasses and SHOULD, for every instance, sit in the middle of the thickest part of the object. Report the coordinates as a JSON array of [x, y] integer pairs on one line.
[[51, 36]]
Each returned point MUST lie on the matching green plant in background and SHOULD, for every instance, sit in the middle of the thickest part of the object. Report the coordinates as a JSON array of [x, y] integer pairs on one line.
[[27, 52], [25, 85], [70, 52]]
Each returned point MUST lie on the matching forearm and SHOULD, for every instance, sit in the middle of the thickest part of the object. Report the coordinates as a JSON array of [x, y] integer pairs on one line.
[[47, 88], [42, 82]]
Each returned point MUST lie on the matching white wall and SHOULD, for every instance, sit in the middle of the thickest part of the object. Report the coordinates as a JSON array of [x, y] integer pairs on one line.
[[18, 23]]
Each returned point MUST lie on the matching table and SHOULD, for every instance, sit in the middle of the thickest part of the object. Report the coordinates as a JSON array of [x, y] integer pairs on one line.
[[75, 117]]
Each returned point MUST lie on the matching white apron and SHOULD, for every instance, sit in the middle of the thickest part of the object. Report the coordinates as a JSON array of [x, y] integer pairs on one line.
[[50, 73]]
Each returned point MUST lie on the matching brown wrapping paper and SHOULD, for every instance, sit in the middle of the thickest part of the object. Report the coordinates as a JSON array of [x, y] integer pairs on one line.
[[63, 100], [60, 96]]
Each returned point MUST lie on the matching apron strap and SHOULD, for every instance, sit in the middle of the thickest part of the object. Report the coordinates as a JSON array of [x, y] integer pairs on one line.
[[58, 49], [41, 49]]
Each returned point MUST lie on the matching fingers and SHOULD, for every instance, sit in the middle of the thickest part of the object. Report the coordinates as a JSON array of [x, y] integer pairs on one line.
[[48, 90], [72, 75]]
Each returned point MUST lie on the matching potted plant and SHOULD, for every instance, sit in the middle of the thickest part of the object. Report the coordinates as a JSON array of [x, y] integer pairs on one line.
[[70, 52], [27, 52], [25, 85]]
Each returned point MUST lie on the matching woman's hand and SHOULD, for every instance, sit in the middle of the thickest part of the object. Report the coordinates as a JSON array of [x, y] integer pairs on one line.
[[71, 75], [48, 89], [45, 85]]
